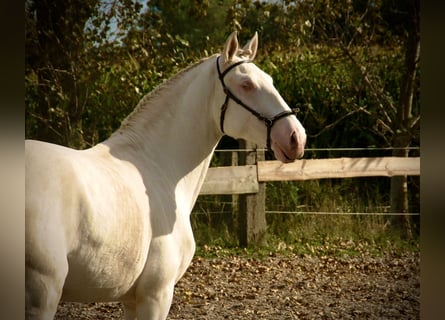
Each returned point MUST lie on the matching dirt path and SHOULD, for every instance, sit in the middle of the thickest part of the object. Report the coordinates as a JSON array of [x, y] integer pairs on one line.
[[286, 287]]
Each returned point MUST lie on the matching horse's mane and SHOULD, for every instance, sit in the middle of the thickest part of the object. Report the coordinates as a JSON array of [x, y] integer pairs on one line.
[[148, 102]]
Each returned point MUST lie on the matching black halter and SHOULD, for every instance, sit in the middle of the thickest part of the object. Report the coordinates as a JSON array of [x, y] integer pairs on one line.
[[269, 122]]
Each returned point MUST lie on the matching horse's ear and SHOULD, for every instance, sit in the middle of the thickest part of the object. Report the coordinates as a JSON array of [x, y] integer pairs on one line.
[[231, 47], [250, 49]]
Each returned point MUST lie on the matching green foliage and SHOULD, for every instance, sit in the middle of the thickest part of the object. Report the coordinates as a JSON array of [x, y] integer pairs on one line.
[[86, 87], [334, 104]]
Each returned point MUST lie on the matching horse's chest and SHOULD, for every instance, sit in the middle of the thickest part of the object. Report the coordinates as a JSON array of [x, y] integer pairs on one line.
[[168, 258]]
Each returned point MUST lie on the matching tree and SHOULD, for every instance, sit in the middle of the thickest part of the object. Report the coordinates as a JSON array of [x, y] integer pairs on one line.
[[397, 117], [406, 124], [54, 48]]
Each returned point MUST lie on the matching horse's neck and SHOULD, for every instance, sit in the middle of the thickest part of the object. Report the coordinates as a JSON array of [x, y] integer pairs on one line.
[[173, 133]]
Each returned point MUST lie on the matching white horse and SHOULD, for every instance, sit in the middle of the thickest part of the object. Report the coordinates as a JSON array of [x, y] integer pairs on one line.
[[112, 223]]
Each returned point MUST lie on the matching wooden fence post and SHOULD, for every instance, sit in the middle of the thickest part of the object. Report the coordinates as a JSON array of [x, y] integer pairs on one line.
[[251, 214]]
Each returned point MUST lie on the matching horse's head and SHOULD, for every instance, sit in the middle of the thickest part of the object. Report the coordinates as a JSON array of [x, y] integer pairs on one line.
[[253, 109]]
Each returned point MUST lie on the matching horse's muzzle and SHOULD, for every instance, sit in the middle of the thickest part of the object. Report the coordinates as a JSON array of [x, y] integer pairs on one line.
[[288, 140]]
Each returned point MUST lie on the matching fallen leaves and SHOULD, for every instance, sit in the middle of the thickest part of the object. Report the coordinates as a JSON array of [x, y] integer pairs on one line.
[[301, 287], [292, 286]]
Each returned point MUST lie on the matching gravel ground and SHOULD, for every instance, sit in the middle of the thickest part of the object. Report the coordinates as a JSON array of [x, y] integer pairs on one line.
[[286, 287]]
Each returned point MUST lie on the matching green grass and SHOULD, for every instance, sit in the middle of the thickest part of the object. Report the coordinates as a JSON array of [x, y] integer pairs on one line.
[[334, 247], [334, 235]]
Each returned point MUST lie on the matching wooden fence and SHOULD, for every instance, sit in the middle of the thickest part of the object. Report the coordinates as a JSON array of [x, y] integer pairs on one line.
[[248, 181]]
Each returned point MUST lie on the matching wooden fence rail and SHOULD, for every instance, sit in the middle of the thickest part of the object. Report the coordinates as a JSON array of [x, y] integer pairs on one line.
[[231, 180], [248, 181]]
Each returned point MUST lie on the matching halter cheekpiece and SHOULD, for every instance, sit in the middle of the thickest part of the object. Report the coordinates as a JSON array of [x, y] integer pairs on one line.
[[269, 122]]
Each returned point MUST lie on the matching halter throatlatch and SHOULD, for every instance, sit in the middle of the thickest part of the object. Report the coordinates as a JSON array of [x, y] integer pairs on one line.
[[269, 122]]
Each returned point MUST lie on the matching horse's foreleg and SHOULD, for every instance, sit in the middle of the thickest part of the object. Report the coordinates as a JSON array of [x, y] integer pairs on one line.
[[46, 268], [42, 295], [129, 311], [167, 261], [155, 305]]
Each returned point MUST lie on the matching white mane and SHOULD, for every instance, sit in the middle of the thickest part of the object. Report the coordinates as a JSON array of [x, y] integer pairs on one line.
[[151, 106]]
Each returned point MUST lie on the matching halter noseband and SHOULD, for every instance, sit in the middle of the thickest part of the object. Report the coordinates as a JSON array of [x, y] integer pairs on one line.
[[269, 122]]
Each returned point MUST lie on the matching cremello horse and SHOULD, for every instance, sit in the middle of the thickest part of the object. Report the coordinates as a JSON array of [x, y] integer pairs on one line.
[[111, 223]]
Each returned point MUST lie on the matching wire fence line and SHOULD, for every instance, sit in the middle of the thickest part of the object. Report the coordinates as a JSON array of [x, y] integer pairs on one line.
[[301, 212], [319, 213], [325, 149], [348, 213]]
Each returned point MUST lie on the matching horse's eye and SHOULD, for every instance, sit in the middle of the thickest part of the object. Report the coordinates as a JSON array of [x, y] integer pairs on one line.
[[247, 85]]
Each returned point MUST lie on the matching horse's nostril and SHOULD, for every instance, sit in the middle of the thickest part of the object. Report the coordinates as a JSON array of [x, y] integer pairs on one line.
[[293, 139]]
